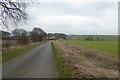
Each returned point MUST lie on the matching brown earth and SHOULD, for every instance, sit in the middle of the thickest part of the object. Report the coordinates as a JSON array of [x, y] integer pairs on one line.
[[89, 63]]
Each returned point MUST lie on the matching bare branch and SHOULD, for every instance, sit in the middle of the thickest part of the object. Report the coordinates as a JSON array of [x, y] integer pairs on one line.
[[14, 11]]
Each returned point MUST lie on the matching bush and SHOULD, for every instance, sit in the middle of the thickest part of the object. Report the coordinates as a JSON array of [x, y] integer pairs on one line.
[[23, 39]]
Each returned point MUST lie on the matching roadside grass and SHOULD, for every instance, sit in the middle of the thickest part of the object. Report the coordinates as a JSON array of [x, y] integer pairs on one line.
[[9, 54], [107, 46], [64, 69]]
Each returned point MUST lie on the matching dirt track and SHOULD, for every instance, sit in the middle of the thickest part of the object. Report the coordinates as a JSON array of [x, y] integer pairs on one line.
[[89, 62]]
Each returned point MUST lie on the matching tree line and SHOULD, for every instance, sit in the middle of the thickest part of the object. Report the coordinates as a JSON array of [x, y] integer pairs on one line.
[[23, 37], [91, 38]]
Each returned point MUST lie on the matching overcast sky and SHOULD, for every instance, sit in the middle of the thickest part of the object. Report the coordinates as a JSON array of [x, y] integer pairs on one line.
[[73, 16]]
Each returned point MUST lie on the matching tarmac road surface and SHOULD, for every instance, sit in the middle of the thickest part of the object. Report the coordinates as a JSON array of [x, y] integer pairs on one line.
[[36, 63]]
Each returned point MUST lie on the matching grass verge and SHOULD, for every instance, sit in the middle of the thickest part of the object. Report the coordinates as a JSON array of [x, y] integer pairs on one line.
[[64, 69], [9, 54]]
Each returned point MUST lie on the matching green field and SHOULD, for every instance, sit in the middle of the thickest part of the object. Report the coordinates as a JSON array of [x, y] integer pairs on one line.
[[107, 46], [105, 37]]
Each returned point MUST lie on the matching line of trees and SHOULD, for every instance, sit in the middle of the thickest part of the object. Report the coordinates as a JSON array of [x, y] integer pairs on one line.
[[91, 38], [22, 37], [54, 36]]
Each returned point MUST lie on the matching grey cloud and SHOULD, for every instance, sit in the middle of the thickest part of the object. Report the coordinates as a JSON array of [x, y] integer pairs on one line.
[[104, 12]]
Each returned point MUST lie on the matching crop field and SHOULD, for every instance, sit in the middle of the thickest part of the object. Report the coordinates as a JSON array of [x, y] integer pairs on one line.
[[87, 62], [105, 37], [106, 46]]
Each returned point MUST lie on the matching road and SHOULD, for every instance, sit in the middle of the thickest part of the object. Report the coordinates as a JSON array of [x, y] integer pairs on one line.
[[36, 63]]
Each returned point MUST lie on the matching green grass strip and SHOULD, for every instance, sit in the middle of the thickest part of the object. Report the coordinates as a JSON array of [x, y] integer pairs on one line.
[[64, 69]]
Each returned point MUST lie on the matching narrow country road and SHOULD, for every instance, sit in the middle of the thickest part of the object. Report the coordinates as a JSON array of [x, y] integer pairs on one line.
[[36, 63]]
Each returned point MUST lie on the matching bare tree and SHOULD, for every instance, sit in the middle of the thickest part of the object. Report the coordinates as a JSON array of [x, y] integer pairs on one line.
[[21, 36], [13, 10], [37, 34]]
